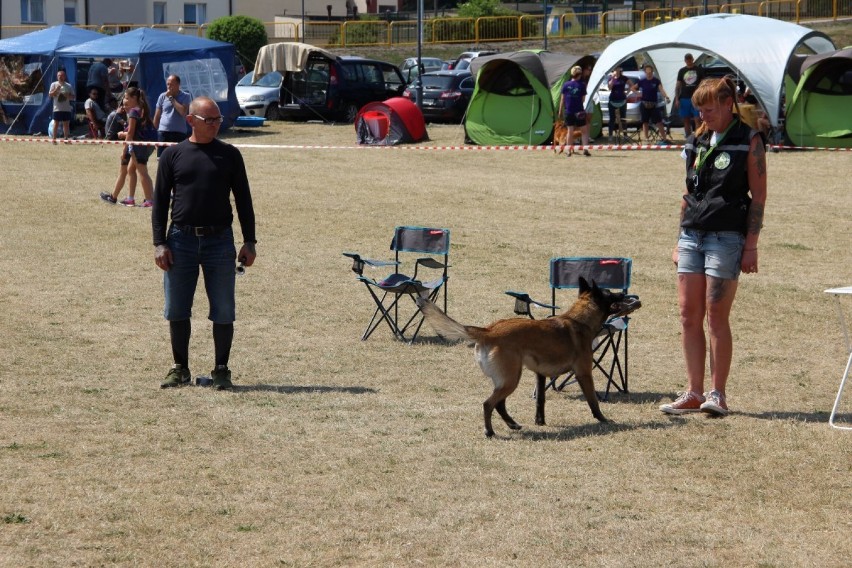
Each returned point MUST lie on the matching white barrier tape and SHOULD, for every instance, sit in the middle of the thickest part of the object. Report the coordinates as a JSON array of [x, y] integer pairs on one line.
[[577, 148]]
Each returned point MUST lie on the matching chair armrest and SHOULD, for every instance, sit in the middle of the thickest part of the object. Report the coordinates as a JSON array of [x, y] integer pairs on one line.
[[358, 262], [430, 262], [523, 301]]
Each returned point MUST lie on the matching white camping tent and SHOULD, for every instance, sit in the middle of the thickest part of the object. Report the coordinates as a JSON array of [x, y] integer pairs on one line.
[[756, 48]]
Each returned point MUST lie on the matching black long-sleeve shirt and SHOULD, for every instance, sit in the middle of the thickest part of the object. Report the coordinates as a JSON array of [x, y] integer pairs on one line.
[[197, 180]]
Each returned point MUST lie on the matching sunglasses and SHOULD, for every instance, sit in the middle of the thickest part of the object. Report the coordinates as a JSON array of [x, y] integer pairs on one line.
[[209, 120]]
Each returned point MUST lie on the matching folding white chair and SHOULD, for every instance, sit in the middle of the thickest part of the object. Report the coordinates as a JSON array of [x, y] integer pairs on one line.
[[837, 292]]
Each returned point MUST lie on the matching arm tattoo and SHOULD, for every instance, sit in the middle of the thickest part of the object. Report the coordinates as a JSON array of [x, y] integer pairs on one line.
[[759, 154], [754, 221]]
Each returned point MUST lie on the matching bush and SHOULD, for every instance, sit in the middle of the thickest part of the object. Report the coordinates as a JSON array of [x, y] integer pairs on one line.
[[247, 34], [483, 8]]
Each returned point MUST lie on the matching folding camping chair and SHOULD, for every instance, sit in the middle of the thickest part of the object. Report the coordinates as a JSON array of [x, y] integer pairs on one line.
[[610, 349], [387, 293]]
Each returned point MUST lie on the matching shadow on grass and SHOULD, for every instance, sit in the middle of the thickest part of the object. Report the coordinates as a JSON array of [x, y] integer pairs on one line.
[[621, 397], [812, 417], [591, 429], [297, 389]]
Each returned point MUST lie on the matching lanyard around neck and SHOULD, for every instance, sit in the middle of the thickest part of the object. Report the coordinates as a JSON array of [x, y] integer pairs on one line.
[[702, 155]]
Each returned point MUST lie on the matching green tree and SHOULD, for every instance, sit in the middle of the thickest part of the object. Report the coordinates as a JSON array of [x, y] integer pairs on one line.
[[247, 34], [483, 8]]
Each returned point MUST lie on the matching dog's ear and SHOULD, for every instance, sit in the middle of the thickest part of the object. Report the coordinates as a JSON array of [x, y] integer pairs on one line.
[[584, 286]]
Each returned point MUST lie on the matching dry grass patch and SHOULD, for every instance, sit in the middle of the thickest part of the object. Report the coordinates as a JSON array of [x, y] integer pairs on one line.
[[337, 452]]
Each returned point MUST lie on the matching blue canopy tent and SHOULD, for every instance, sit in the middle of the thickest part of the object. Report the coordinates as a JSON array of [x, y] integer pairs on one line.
[[205, 67], [28, 65]]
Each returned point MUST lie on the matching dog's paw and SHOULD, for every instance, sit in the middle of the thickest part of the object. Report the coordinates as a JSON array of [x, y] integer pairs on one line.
[[515, 426]]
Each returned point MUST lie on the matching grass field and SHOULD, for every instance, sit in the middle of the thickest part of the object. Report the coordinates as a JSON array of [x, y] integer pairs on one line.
[[337, 452]]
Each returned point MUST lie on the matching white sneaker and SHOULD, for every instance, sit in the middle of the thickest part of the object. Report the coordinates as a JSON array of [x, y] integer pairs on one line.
[[715, 404]]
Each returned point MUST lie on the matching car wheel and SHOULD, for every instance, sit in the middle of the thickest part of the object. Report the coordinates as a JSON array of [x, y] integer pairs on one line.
[[272, 112], [350, 112]]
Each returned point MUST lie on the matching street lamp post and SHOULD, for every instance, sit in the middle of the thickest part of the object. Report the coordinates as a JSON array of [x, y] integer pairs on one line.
[[419, 89]]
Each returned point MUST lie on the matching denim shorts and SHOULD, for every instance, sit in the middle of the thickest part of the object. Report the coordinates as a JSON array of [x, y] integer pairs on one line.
[[141, 153], [713, 253], [216, 256]]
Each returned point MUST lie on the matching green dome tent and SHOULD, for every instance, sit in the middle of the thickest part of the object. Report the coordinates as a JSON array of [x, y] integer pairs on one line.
[[818, 109], [516, 96]]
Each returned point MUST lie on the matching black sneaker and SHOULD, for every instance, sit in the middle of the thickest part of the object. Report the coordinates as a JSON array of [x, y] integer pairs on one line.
[[177, 377], [107, 197], [221, 379]]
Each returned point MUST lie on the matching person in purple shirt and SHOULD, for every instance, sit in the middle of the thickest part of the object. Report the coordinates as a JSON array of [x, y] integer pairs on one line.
[[651, 87], [618, 86], [571, 103]]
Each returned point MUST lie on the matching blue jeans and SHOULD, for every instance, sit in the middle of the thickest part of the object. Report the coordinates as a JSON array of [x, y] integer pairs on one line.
[[216, 256], [714, 253]]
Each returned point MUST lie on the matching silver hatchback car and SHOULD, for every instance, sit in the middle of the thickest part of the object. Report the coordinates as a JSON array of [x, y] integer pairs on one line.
[[262, 98]]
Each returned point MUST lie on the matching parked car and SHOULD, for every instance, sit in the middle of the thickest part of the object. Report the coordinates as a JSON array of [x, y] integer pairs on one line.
[[337, 89], [410, 71], [464, 59], [261, 98], [446, 94]]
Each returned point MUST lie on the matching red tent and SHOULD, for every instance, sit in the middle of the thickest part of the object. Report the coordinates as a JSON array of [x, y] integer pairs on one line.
[[394, 121]]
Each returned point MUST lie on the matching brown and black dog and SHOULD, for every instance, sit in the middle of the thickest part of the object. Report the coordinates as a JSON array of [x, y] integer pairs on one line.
[[560, 137], [548, 347]]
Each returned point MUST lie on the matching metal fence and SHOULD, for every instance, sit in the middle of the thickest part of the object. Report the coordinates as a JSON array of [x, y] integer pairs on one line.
[[371, 31]]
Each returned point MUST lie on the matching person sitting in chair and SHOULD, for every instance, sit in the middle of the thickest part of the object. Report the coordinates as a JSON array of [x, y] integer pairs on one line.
[[95, 114]]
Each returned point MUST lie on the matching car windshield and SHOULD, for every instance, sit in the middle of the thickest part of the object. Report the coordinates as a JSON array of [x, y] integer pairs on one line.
[[269, 80]]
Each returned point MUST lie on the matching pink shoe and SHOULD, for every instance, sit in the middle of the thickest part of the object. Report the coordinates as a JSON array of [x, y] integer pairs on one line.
[[128, 202], [147, 203], [687, 402]]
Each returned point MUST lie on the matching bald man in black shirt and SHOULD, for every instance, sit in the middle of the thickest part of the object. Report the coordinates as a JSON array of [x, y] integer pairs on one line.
[[196, 178]]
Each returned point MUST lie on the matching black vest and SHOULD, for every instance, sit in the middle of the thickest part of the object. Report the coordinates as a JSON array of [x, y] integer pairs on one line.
[[718, 195]]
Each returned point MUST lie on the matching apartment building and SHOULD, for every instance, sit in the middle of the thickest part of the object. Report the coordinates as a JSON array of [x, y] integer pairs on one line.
[[19, 16]]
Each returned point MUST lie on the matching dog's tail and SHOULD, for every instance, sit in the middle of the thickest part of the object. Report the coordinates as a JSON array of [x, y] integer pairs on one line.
[[444, 325]]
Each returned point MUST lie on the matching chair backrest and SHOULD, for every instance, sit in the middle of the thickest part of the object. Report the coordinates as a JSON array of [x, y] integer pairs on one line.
[[612, 273], [428, 240], [421, 239]]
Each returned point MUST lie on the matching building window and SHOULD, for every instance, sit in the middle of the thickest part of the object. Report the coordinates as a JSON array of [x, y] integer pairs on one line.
[[70, 11], [159, 13], [32, 12], [195, 14]]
